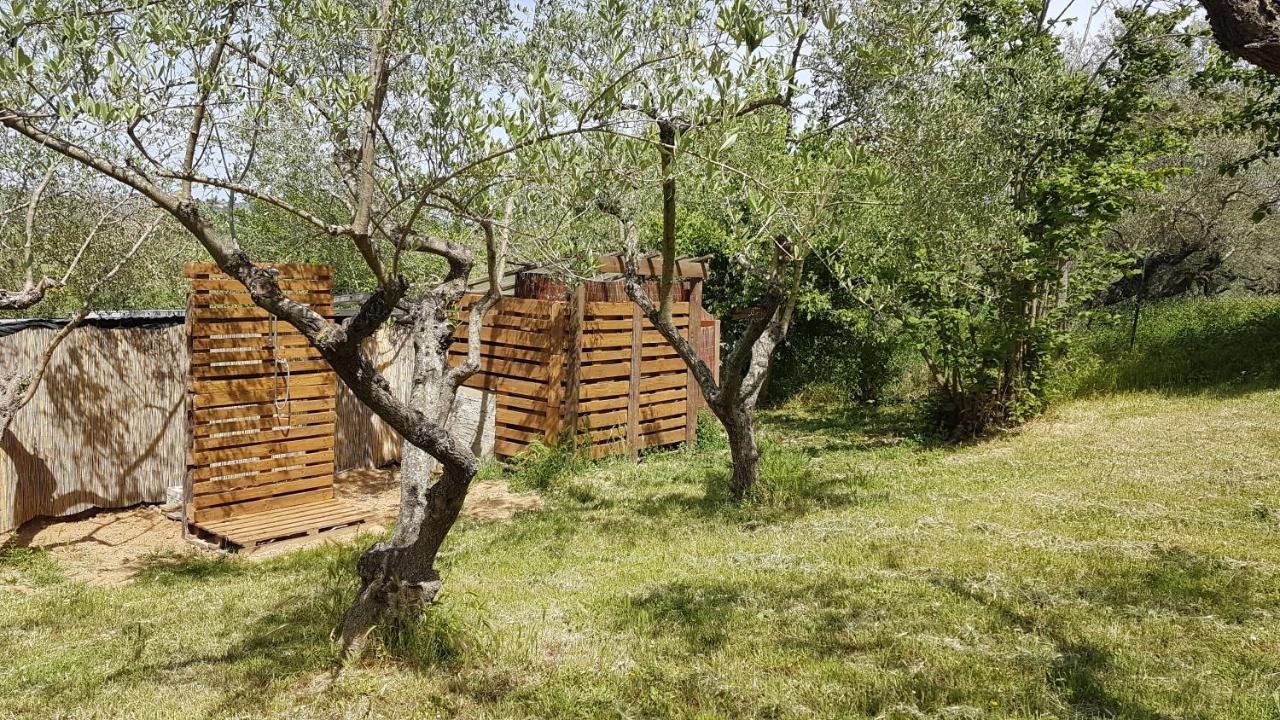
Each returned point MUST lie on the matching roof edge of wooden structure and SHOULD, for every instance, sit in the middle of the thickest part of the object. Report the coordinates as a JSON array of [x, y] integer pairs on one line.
[[651, 265]]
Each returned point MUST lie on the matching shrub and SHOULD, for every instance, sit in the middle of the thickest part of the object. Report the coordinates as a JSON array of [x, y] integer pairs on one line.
[[825, 361]]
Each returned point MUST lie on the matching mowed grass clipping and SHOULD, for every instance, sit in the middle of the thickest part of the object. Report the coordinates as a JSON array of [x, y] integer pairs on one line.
[[1117, 559], [1120, 559]]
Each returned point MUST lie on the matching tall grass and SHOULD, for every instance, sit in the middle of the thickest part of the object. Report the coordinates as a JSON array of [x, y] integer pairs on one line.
[[1225, 344]]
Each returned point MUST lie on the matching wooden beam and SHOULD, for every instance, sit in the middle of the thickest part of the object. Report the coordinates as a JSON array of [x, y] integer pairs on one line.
[[573, 368], [650, 266], [633, 385], [555, 373], [694, 334]]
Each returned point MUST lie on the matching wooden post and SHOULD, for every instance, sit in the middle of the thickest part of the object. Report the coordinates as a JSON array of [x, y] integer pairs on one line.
[[188, 482], [573, 369], [715, 350], [633, 387], [557, 336], [693, 399]]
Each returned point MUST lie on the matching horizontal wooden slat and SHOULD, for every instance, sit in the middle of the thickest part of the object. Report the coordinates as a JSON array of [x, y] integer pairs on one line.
[[601, 371], [650, 352], [506, 337], [514, 322], [610, 404], [253, 342], [659, 367], [263, 478], [247, 396], [651, 266], [263, 422], [264, 409], [296, 380], [230, 298], [329, 518], [211, 284], [519, 370], [507, 416], [287, 367], [521, 403], [664, 396], [212, 472], [662, 382], [603, 389], [610, 340], [267, 490], [668, 437], [524, 305], [504, 385], [601, 310], [598, 389], [284, 270], [286, 353], [262, 436], [458, 353], [277, 522], [596, 421], [271, 519], [279, 501], [508, 448], [244, 327], [660, 424], [262, 450], [245, 313], [511, 433]]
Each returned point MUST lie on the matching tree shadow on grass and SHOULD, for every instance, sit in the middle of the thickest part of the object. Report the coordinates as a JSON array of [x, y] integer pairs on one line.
[[291, 642], [846, 428], [1077, 673], [1179, 581], [1172, 581], [696, 614]]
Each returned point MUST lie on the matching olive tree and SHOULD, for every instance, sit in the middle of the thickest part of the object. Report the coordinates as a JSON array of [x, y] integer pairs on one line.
[[413, 116], [715, 103], [54, 221]]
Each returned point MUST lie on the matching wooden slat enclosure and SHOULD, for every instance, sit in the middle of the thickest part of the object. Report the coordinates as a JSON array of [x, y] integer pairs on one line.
[[595, 372], [107, 427], [261, 413]]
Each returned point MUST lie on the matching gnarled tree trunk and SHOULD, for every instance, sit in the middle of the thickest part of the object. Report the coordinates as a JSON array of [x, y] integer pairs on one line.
[[398, 577], [1248, 29]]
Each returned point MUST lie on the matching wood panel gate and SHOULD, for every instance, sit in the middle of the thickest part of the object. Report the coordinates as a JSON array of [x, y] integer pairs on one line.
[[261, 414]]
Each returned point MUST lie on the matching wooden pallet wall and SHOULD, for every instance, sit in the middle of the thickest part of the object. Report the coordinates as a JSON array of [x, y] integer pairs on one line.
[[262, 437], [522, 360], [632, 386]]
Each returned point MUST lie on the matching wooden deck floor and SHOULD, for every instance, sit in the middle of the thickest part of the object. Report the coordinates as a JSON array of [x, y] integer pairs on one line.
[[253, 530]]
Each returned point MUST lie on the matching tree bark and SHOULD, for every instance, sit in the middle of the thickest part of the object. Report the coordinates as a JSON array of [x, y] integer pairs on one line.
[[1248, 29], [739, 425], [29, 295]]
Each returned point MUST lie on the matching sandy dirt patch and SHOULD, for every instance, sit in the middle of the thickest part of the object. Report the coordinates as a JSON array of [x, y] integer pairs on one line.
[[109, 547]]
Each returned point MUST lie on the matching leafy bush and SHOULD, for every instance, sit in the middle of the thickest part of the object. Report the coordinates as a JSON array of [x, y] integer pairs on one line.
[[826, 361]]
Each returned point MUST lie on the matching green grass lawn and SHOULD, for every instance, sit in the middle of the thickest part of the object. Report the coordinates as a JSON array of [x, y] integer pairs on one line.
[[1120, 558]]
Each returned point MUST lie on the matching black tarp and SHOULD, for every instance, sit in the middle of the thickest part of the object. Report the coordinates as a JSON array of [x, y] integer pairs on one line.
[[106, 319]]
